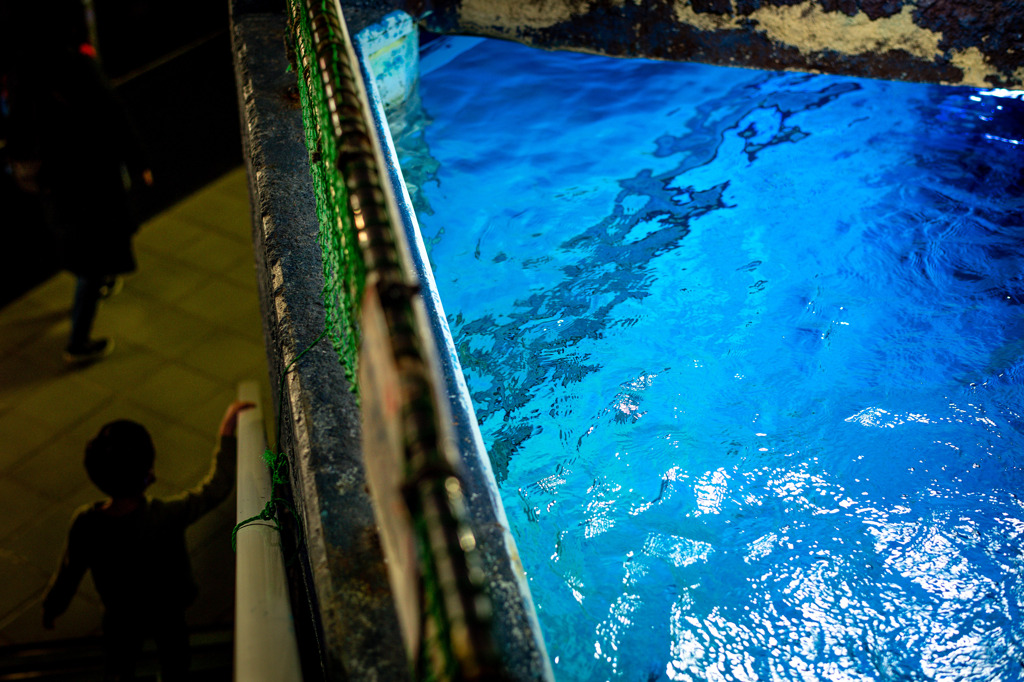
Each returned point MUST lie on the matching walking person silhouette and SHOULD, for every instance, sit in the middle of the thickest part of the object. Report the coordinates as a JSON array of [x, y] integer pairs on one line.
[[71, 143]]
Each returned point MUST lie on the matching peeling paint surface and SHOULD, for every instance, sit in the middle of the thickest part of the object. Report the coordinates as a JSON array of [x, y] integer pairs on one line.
[[811, 29], [392, 48], [940, 41], [532, 14]]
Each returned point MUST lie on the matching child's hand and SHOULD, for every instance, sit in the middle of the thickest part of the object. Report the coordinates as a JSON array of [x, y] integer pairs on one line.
[[229, 424]]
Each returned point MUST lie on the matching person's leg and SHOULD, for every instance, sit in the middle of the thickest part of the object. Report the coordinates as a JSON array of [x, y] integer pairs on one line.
[[83, 312], [112, 286], [122, 644], [81, 348], [173, 647]]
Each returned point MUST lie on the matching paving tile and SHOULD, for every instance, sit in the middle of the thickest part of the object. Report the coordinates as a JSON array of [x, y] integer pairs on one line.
[[215, 252], [173, 391], [183, 458], [82, 619], [167, 234], [65, 453], [228, 216], [22, 505], [243, 273], [45, 353], [233, 185], [222, 205], [63, 400], [168, 331], [23, 434], [54, 294], [249, 326], [20, 579], [215, 404], [119, 408], [27, 323], [239, 229], [226, 304], [128, 364], [55, 470], [165, 277], [24, 308], [228, 356], [182, 454], [174, 368], [41, 542], [130, 317], [17, 377], [247, 319]]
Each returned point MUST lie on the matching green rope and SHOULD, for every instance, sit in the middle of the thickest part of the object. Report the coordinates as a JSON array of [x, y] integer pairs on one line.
[[277, 463]]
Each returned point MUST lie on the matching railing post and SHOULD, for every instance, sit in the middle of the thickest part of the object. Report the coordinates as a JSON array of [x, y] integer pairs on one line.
[[265, 646]]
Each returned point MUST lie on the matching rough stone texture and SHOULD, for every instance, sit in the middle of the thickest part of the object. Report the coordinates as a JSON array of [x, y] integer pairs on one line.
[[969, 42], [356, 628], [994, 28]]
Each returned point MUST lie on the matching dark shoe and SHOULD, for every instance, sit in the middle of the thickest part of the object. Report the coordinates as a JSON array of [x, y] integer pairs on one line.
[[111, 286], [91, 351]]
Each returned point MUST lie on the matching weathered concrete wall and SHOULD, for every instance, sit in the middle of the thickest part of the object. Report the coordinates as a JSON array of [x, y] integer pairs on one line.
[[356, 628], [968, 42]]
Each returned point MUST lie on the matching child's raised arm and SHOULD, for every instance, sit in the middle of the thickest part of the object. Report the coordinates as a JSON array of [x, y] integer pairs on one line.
[[188, 506], [229, 424]]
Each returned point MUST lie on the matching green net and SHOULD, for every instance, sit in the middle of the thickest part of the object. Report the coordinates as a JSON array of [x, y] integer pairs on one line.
[[360, 246], [344, 273]]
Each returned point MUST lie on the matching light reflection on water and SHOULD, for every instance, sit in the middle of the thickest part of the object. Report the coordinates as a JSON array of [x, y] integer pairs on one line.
[[746, 351]]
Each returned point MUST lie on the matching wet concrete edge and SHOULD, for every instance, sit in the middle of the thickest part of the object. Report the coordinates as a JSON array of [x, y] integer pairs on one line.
[[358, 628]]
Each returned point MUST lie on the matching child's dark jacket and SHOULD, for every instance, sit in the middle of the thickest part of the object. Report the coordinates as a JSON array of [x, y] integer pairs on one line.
[[139, 561]]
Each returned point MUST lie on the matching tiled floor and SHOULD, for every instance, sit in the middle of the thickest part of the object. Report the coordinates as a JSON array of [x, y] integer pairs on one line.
[[187, 330]]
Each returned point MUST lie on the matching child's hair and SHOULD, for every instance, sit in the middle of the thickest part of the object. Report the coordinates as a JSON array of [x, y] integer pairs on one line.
[[120, 457]]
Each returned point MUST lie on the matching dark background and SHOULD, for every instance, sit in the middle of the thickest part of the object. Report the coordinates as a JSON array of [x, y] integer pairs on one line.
[[171, 64]]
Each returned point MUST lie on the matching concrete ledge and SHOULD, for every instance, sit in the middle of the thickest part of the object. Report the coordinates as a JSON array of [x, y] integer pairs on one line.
[[346, 582]]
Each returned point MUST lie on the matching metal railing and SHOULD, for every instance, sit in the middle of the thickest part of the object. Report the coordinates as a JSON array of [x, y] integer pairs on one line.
[[266, 649], [378, 324]]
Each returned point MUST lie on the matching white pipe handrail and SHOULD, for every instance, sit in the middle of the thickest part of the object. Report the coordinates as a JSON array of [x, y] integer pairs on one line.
[[266, 649]]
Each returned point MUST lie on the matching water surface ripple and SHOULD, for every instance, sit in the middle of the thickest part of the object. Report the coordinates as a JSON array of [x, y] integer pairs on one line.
[[746, 350]]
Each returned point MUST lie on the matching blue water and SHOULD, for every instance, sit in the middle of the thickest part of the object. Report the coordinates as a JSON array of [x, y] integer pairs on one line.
[[747, 351]]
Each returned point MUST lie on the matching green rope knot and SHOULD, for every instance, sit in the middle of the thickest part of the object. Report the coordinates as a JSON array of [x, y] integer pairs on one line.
[[268, 513], [277, 465]]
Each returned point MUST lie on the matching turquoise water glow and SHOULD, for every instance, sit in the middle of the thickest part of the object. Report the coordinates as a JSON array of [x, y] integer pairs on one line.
[[746, 350]]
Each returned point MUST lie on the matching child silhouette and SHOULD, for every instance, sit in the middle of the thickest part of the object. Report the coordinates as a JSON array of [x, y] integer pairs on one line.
[[134, 546]]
